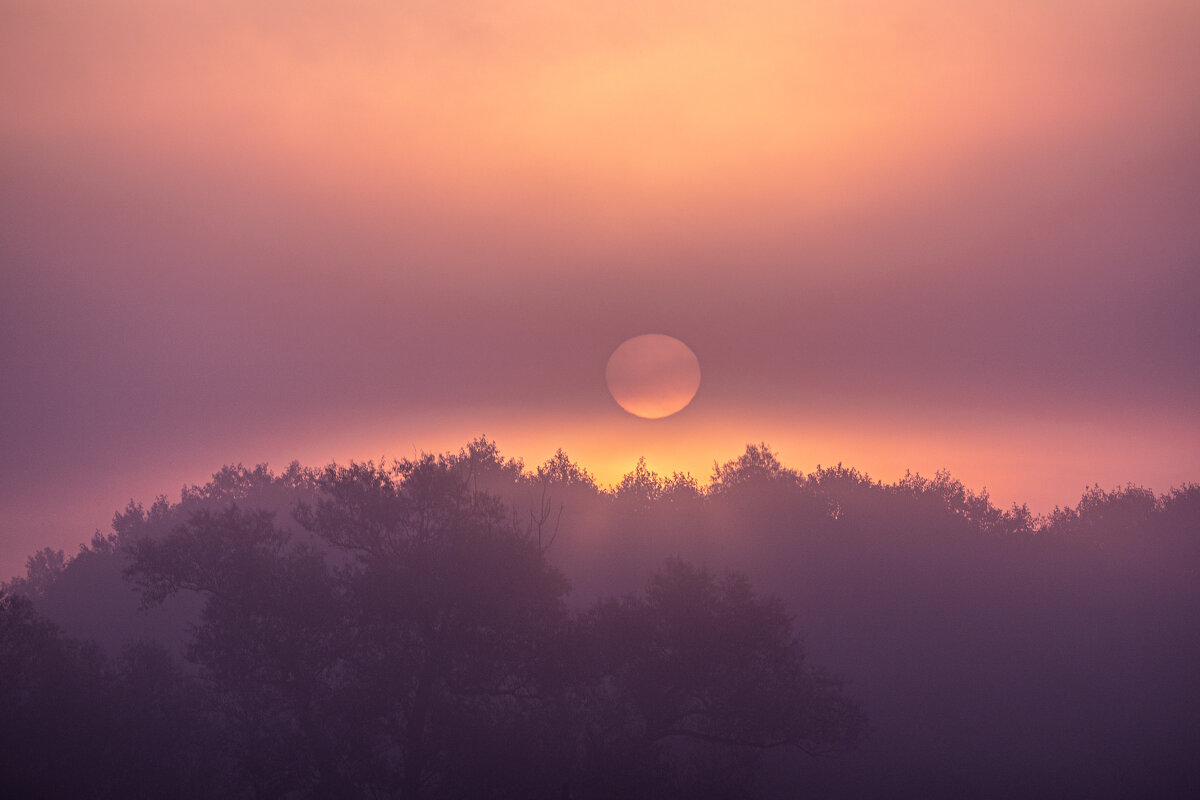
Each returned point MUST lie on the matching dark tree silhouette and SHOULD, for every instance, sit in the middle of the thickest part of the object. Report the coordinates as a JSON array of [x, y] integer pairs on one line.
[[46, 681], [364, 667], [422, 634], [697, 670], [270, 639], [560, 471], [757, 465], [404, 634], [640, 488], [76, 725], [452, 604]]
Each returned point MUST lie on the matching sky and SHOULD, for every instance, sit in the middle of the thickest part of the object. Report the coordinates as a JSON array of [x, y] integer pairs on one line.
[[897, 235]]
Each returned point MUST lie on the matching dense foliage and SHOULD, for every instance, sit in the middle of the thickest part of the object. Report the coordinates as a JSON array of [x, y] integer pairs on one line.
[[462, 626]]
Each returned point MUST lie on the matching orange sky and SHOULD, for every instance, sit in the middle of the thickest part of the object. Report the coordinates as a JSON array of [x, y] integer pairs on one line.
[[896, 234]]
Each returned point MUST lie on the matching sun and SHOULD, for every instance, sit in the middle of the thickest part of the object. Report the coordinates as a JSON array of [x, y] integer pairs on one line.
[[653, 376]]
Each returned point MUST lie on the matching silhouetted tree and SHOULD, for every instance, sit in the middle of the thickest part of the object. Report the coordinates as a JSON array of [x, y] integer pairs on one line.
[[486, 470], [681, 487], [52, 693], [73, 725], [366, 667], [560, 471], [639, 488], [409, 639], [42, 570], [453, 606], [757, 465], [699, 671], [271, 639]]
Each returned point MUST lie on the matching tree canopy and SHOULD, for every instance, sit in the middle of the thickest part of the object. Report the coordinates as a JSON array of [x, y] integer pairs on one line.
[[407, 629], [385, 658]]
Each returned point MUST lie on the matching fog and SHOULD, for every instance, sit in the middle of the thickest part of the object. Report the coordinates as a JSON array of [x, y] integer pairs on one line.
[[759, 633]]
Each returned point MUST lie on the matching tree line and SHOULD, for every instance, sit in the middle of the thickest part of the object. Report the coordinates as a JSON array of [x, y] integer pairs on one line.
[[415, 644], [460, 625]]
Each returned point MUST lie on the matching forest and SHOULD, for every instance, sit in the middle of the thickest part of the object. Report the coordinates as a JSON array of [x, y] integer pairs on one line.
[[460, 625]]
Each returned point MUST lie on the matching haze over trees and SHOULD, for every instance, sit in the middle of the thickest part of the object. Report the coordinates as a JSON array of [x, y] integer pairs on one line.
[[463, 626]]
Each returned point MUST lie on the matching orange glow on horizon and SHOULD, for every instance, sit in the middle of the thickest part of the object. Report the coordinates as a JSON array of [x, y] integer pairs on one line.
[[898, 236], [1039, 460]]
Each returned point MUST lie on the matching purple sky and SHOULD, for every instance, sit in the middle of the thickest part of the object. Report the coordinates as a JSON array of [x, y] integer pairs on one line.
[[895, 236]]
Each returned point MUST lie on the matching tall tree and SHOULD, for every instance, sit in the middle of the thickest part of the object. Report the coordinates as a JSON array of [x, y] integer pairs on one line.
[[697, 671], [368, 664]]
